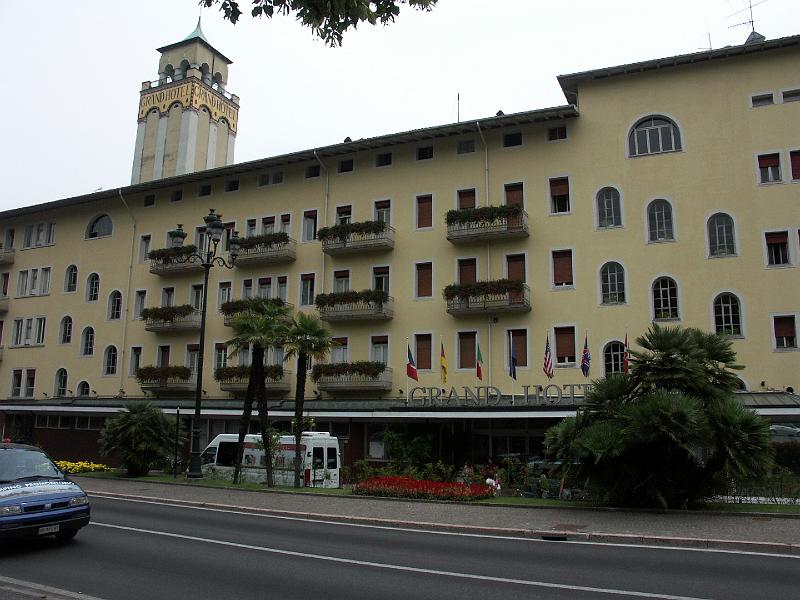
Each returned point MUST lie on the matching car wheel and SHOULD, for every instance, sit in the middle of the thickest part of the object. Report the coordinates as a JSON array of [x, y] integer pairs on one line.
[[65, 536]]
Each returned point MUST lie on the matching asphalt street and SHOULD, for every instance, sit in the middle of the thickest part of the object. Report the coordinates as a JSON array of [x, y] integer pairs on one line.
[[149, 550]]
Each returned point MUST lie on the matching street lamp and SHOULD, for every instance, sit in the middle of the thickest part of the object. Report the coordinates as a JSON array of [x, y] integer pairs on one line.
[[207, 257]]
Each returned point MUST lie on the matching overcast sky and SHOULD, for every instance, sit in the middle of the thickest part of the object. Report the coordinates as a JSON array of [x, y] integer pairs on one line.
[[73, 71]]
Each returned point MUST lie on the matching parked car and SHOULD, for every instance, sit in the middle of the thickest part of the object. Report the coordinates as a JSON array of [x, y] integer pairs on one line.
[[36, 498], [784, 430]]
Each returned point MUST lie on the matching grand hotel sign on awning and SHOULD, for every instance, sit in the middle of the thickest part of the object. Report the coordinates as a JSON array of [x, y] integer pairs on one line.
[[489, 395]]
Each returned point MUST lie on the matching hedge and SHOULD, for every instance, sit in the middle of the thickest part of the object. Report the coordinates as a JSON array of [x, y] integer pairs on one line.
[[367, 368], [344, 230], [151, 373], [167, 254], [484, 214], [335, 298], [167, 313], [482, 288], [267, 239]]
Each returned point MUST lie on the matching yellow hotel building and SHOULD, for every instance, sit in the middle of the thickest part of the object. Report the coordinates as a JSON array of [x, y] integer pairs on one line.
[[666, 190]]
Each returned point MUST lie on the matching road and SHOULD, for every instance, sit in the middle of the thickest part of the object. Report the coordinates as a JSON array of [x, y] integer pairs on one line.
[[137, 550]]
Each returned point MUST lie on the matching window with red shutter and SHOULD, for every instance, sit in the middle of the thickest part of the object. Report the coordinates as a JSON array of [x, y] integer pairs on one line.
[[467, 270], [769, 167], [559, 195], [466, 199], [794, 158], [785, 332], [424, 211], [518, 342], [562, 267], [777, 247], [466, 349], [424, 280], [565, 345], [514, 194], [424, 347]]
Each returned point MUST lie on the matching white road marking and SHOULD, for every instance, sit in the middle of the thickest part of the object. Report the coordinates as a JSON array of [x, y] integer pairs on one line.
[[255, 513], [28, 585], [364, 563]]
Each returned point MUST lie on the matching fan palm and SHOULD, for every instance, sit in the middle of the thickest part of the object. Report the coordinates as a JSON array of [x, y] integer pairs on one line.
[[262, 325], [307, 338]]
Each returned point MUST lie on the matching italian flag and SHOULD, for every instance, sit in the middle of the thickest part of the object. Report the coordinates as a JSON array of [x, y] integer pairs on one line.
[[479, 364]]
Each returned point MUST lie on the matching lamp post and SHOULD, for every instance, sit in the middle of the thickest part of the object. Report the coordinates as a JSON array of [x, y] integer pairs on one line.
[[207, 257]]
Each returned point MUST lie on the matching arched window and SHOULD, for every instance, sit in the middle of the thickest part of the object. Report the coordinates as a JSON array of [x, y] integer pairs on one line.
[[665, 299], [110, 361], [609, 213], [83, 389], [65, 332], [613, 358], [71, 279], [99, 227], [721, 240], [93, 287], [742, 386], [659, 221], [115, 305], [87, 342], [612, 283], [60, 388], [727, 314], [654, 135]]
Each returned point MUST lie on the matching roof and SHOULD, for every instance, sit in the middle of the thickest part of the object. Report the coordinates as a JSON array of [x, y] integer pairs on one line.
[[197, 33], [543, 115], [572, 81], [196, 36]]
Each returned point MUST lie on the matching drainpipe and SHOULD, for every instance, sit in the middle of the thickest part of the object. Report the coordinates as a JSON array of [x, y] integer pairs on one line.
[[488, 245], [122, 354], [324, 216]]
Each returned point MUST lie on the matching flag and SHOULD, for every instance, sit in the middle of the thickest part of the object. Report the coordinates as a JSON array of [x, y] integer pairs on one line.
[[443, 360], [548, 360], [586, 358], [411, 367], [512, 364], [479, 364], [625, 355]]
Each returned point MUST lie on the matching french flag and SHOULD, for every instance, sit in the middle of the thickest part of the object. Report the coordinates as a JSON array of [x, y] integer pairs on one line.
[[411, 366]]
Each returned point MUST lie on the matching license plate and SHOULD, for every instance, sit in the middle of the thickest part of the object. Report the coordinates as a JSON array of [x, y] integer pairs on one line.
[[48, 529]]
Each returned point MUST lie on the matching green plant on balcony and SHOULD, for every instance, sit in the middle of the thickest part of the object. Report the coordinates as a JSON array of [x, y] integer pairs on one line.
[[343, 231], [366, 368], [167, 313], [267, 240], [483, 214], [351, 297], [234, 307], [497, 287], [271, 372], [166, 255], [152, 374]]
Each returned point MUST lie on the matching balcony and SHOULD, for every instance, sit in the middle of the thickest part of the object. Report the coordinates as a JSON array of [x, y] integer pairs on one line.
[[163, 381], [6, 257], [369, 305], [235, 379], [166, 319], [3, 304], [271, 248], [351, 238], [340, 378], [486, 223], [168, 261], [230, 310], [488, 297]]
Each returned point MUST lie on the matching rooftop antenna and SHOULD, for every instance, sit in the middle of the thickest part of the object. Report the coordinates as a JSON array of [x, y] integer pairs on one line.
[[754, 37], [458, 107]]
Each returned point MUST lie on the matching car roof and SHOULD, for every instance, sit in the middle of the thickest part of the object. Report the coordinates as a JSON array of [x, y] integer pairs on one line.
[[11, 446]]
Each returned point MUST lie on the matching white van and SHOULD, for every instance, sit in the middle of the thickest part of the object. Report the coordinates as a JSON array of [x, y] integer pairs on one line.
[[319, 451]]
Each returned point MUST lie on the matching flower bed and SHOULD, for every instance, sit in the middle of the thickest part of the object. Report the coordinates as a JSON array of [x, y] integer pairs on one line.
[[353, 297], [406, 487], [82, 466], [344, 230], [366, 368]]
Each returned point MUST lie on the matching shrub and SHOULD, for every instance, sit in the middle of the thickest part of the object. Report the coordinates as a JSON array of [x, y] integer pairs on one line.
[[366, 368], [167, 313], [407, 487], [272, 372], [352, 297], [788, 455], [483, 214], [150, 373], [82, 466], [234, 307], [267, 240], [344, 230], [482, 288], [167, 254]]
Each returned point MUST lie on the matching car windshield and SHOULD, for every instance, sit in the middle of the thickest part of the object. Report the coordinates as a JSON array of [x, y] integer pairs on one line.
[[20, 464]]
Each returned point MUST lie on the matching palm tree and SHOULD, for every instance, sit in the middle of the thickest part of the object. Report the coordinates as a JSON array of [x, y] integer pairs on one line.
[[264, 324], [307, 338]]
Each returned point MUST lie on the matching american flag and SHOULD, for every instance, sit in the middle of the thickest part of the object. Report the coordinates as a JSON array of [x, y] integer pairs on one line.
[[625, 354], [411, 367], [548, 360], [585, 357]]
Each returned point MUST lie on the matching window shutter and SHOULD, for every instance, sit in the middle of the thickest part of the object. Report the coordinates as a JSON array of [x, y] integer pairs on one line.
[[467, 271], [466, 199], [424, 211], [424, 347], [381, 204], [784, 327], [220, 346], [344, 210], [341, 274], [777, 237], [286, 218], [380, 270], [559, 187], [264, 280], [514, 194], [308, 214], [341, 341], [562, 267], [424, 279], [515, 267], [565, 342], [795, 159], [466, 350], [282, 280], [380, 339], [519, 339], [193, 347], [269, 220], [768, 160]]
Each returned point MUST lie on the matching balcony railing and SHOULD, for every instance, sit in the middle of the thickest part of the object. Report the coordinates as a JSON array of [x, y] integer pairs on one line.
[[512, 301], [238, 385], [503, 227], [358, 311], [334, 384], [190, 322], [265, 254], [360, 242], [171, 385], [3, 304], [7, 257], [167, 266]]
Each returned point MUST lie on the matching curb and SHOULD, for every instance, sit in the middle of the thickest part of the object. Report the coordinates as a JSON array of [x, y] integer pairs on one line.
[[547, 535]]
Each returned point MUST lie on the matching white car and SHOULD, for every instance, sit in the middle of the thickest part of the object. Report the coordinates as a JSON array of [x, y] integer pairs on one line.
[[785, 431]]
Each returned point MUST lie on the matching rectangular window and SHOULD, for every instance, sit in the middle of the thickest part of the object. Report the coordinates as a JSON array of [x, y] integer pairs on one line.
[[309, 225], [30, 382], [286, 223], [16, 383], [466, 349], [227, 235], [466, 199], [467, 270], [465, 146], [267, 225], [514, 194], [339, 352], [250, 229], [559, 195], [777, 247], [512, 139], [176, 196], [264, 287], [192, 356], [769, 168], [277, 177], [312, 171], [307, 289], [762, 100], [794, 160], [517, 345], [204, 190], [224, 293], [232, 185], [144, 247], [149, 200], [556, 133], [283, 289], [424, 280], [791, 95], [565, 345], [263, 179], [380, 279], [220, 356], [247, 289], [140, 303], [163, 356], [40, 325], [562, 267], [16, 336], [785, 332], [344, 214], [136, 360], [423, 344], [345, 166], [341, 281], [383, 211], [379, 351], [383, 159], [168, 296], [424, 211], [51, 233], [425, 153], [22, 283], [9, 242], [44, 283]]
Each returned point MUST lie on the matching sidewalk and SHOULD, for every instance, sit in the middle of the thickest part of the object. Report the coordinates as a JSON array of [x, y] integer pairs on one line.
[[758, 533]]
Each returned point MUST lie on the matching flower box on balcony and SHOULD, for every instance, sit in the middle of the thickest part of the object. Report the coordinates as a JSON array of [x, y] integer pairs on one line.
[[171, 261], [165, 380], [6, 257], [348, 238], [359, 376], [366, 305], [486, 297], [269, 248], [486, 223], [233, 308], [236, 379], [171, 318]]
